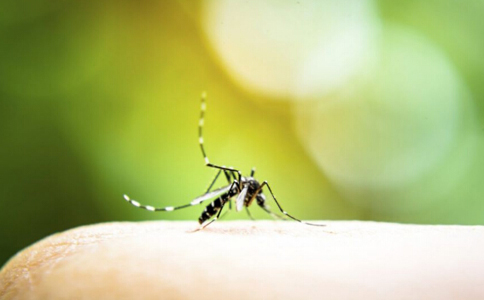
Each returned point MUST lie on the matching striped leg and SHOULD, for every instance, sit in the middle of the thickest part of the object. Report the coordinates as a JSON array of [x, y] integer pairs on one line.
[[201, 122], [195, 201], [280, 208], [261, 203], [152, 208]]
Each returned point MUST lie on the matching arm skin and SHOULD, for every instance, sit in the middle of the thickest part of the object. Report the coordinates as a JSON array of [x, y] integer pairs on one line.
[[251, 260]]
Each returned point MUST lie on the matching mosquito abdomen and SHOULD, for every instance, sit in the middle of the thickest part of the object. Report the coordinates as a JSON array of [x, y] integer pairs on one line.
[[213, 208]]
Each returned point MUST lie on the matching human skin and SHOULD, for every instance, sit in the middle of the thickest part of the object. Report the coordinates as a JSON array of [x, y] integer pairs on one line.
[[251, 260]]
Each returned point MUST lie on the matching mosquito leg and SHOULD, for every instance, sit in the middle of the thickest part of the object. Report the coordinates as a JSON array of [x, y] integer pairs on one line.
[[282, 210], [195, 201], [274, 215], [229, 176], [230, 209], [249, 214], [261, 201], [201, 122], [225, 213], [228, 169], [152, 208], [223, 216], [252, 172], [213, 181]]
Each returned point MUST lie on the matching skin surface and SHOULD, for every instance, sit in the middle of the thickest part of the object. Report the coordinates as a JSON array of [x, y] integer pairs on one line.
[[251, 260]]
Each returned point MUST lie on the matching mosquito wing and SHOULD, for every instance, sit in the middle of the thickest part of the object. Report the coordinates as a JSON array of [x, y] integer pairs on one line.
[[241, 198], [211, 194]]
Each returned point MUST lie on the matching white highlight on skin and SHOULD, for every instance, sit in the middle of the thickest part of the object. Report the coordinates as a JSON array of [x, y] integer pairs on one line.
[[169, 208]]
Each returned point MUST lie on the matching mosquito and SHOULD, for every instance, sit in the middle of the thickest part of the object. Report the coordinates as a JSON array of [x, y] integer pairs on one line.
[[246, 189]]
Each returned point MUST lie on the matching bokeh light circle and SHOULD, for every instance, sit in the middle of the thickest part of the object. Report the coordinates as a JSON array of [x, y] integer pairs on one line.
[[286, 49], [394, 126]]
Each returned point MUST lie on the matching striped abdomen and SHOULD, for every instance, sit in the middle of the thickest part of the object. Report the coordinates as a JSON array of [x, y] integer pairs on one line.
[[213, 208]]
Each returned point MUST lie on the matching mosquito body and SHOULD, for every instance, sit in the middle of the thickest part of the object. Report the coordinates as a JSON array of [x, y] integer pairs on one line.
[[246, 189]]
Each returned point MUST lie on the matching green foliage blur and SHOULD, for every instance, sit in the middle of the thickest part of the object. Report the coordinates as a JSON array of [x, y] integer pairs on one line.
[[101, 98]]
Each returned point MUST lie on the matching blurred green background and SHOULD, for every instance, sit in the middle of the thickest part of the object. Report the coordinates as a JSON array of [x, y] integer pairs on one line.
[[369, 110]]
